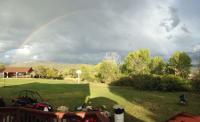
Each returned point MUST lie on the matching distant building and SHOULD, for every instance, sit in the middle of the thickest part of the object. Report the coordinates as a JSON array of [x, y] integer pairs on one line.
[[16, 72]]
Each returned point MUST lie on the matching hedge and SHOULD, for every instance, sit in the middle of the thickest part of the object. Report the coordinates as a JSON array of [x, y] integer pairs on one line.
[[154, 82]]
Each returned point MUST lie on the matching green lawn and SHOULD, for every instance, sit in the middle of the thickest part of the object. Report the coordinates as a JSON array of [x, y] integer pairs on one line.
[[140, 106]]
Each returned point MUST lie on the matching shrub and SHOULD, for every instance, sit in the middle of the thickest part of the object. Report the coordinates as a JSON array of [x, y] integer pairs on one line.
[[123, 81], [154, 82], [174, 83], [142, 82], [145, 82], [196, 81], [196, 84]]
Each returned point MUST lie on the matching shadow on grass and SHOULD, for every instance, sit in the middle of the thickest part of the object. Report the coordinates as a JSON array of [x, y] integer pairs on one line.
[[107, 104], [70, 95], [162, 105]]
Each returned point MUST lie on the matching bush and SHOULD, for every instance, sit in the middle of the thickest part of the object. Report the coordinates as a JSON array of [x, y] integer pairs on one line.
[[142, 82], [174, 83], [123, 81], [196, 84], [196, 81], [154, 82], [145, 82]]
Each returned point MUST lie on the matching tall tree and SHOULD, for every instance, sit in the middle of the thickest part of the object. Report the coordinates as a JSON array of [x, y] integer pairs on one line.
[[2, 67], [52, 73], [108, 71], [41, 71], [157, 65], [88, 73], [180, 62], [137, 62]]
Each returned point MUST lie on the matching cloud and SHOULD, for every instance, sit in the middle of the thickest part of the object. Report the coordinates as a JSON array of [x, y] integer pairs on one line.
[[172, 21], [196, 48], [185, 29], [35, 57], [84, 31], [24, 51]]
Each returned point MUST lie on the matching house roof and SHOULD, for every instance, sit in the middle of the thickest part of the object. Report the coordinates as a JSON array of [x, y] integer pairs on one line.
[[17, 69]]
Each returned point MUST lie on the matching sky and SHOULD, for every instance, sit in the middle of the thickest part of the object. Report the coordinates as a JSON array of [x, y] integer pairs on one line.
[[83, 31]]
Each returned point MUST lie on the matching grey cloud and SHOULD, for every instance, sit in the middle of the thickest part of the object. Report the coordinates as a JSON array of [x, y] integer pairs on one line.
[[174, 17], [73, 31], [171, 22], [185, 29]]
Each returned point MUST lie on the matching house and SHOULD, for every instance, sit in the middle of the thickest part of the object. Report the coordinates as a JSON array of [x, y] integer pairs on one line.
[[17, 72]]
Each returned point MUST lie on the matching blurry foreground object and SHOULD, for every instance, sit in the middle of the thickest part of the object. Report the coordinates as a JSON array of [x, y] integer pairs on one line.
[[2, 103], [62, 109], [184, 117], [31, 99], [183, 99], [118, 113]]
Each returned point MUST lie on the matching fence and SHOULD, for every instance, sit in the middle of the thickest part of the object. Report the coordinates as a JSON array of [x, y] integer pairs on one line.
[[13, 114]]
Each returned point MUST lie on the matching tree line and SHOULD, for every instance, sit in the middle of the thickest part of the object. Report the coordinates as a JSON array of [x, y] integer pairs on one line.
[[142, 71], [139, 69], [140, 62], [136, 62]]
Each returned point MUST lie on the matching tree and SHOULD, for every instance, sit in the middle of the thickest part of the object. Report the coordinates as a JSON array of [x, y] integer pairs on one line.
[[72, 73], [52, 73], [41, 71], [65, 72], [180, 62], [157, 65], [88, 73], [108, 71], [2, 67], [137, 62], [169, 69]]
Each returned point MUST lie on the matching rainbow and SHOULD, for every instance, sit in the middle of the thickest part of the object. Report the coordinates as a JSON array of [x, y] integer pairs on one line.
[[56, 19]]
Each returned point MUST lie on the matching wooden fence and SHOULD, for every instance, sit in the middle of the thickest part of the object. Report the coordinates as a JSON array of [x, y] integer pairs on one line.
[[14, 114]]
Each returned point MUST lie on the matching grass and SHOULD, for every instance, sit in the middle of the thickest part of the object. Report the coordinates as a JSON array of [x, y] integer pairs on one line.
[[148, 106]]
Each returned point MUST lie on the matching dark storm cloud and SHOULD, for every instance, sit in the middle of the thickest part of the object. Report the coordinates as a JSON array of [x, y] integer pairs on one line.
[[74, 31]]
